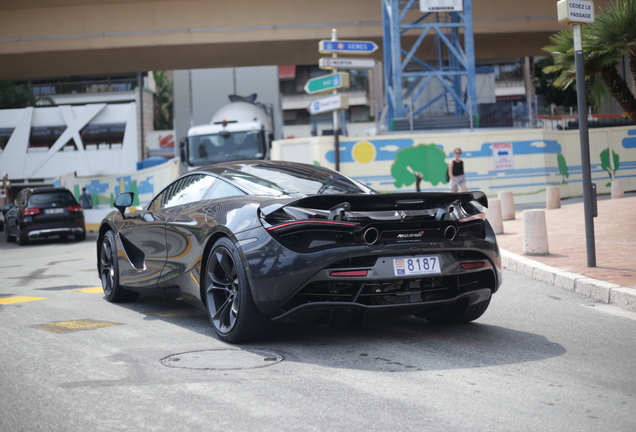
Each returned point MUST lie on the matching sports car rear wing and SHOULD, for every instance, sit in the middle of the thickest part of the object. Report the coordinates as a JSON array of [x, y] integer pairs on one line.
[[334, 206]]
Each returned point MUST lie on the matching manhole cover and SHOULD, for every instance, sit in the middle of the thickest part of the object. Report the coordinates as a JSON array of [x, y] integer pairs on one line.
[[223, 359]]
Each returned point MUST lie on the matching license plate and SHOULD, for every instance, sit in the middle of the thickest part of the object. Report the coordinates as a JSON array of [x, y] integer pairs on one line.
[[418, 265], [54, 211]]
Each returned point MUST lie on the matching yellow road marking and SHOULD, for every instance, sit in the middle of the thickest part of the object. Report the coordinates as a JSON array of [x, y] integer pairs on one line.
[[19, 299], [89, 290], [180, 313], [71, 326]]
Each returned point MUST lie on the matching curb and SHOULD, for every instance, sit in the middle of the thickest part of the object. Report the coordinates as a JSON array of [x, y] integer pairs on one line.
[[604, 292]]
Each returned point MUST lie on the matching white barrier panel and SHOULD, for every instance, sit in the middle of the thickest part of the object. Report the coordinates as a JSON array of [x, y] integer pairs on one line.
[[145, 184], [522, 161]]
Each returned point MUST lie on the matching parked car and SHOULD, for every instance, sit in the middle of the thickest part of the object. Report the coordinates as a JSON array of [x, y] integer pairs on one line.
[[1, 221], [260, 242], [44, 212]]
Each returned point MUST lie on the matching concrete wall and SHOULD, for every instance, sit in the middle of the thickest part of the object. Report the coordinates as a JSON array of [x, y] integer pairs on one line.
[[145, 183], [529, 165]]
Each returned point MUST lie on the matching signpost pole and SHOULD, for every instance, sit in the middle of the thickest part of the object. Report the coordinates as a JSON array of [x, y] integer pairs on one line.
[[588, 195], [336, 127], [337, 80], [577, 13]]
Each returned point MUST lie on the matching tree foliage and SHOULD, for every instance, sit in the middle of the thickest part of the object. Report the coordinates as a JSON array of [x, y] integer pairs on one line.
[[606, 42], [15, 96], [427, 160], [163, 98]]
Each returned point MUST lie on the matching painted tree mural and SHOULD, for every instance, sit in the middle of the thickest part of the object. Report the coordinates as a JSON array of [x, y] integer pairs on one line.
[[563, 167], [426, 161], [605, 163]]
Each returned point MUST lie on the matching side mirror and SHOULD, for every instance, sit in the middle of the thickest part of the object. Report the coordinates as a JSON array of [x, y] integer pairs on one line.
[[122, 201], [183, 149]]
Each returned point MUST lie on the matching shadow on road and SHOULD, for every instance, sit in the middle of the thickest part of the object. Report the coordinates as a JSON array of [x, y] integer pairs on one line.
[[391, 345]]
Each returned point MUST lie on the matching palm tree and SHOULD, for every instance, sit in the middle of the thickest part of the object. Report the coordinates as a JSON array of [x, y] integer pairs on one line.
[[163, 101], [605, 43]]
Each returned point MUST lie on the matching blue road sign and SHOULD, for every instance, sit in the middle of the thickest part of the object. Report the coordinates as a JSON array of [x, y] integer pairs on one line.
[[349, 47]]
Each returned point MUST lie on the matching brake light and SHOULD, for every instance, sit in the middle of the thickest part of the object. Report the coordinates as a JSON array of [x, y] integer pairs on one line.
[[471, 265], [350, 273], [30, 211], [75, 208]]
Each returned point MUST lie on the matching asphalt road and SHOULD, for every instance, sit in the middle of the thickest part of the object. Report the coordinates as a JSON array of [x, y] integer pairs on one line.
[[540, 359]]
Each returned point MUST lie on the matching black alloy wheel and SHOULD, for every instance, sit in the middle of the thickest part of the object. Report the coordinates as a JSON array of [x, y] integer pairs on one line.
[[231, 308], [109, 272], [8, 236], [21, 236]]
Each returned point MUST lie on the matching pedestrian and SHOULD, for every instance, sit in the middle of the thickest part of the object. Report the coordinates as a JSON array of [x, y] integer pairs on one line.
[[457, 178], [86, 200]]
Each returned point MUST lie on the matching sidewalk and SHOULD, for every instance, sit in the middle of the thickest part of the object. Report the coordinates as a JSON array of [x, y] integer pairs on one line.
[[613, 280]]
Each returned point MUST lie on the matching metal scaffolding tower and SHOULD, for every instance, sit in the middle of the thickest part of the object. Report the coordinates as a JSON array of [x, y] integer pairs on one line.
[[438, 93]]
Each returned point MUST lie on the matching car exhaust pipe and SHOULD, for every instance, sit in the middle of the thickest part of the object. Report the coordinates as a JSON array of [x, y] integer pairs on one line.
[[371, 236], [450, 232]]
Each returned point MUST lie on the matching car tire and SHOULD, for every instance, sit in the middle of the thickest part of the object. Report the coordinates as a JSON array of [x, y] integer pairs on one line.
[[109, 272], [21, 236], [461, 313], [231, 308], [8, 236]]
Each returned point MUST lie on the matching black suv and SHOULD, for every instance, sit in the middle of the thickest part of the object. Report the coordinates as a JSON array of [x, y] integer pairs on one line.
[[44, 212]]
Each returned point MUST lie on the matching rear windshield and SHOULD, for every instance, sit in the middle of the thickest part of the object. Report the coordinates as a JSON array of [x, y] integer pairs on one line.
[[52, 199]]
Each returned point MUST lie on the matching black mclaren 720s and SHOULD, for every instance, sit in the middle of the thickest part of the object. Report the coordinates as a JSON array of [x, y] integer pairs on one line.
[[259, 242]]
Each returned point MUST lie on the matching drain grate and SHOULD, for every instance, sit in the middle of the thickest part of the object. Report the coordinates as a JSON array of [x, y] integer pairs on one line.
[[223, 359]]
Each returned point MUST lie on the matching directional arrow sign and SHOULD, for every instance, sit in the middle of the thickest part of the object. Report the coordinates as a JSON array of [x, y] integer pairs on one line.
[[327, 83], [346, 47], [330, 103], [346, 63]]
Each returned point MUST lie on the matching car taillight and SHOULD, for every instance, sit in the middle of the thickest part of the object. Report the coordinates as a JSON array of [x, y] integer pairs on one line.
[[350, 273], [75, 208], [30, 211], [478, 216], [312, 223]]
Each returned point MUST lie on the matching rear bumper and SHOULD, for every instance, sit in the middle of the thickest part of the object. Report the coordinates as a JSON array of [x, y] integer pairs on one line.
[[328, 312], [55, 231]]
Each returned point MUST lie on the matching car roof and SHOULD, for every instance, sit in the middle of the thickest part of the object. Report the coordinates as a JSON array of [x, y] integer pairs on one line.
[[48, 189]]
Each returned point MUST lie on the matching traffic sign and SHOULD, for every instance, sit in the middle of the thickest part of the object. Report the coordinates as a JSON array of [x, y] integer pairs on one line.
[[346, 47], [346, 63], [329, 103], [326, 83], [575, 11]]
